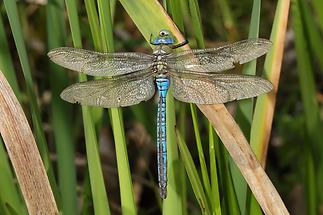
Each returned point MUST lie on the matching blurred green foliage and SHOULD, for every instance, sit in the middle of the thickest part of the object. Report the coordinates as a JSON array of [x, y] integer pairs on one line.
[[77, 171]]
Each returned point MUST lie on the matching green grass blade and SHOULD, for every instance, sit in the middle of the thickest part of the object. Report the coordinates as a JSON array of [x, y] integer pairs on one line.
[[205, 176], [318, 7], [308, 94], [232, 204], [128, 205], [264, 108], [198, 34], [106, 25], [193, 176], [244, 113], [245, 107], [100, 199], [314, 36], [174, 8], [215, 196], [197, 23], [9, 210], [126, 189], [92, 14], [86, 195], [99, 195], [12, 12], [310, 182], [71, 7], [113, 4], [6, 65], [90, 6], [173, 201], [141, 11], [263, 113], [9, 194], [61, 111], [228, 20], [250, 68], [2, 208], [96, 113], [183, 187], [143, 113]]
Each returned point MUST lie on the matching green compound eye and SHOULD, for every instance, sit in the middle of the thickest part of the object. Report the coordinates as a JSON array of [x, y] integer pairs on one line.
[[163, 33]]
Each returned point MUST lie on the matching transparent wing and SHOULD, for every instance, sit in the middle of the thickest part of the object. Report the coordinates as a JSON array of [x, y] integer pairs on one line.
[[111, 92], [98, 63], [217, 88], [218, 59]]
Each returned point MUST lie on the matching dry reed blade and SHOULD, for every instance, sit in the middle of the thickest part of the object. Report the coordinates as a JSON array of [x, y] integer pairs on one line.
[[265, 106], [240, 151], [24, 154]]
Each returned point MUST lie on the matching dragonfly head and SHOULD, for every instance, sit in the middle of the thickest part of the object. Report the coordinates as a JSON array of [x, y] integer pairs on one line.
[[164, 38]]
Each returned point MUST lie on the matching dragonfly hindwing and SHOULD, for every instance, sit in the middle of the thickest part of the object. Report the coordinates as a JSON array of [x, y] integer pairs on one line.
[[218, 88], [110, 92]]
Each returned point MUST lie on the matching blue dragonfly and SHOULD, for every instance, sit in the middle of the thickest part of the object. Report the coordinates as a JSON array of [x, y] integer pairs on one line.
[[196, 76]]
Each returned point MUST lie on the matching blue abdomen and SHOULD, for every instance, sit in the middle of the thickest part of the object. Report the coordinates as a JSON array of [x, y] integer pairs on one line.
[[162, 86]]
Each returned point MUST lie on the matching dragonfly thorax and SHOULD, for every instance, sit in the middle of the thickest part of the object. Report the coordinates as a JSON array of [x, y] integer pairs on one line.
[[160, 63], [162, 50]]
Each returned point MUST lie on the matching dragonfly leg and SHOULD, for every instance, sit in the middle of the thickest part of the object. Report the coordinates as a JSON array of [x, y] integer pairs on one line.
[[151, 35], [150, 40], [180, 44]]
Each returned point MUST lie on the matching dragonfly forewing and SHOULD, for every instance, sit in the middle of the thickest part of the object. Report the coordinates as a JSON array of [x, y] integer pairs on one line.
[[98, 63], [218, 59], [217, 88], [111, 92]]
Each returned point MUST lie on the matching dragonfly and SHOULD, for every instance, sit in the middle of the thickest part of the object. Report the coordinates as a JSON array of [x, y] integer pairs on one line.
[[195, 76]]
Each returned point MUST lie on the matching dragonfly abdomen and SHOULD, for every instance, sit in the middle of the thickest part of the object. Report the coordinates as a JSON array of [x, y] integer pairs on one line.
[[162, 86]]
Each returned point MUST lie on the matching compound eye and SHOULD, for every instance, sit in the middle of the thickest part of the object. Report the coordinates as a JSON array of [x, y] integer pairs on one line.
[[163, 33]]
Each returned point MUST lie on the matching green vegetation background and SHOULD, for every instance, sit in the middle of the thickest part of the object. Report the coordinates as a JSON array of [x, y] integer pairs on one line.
[[104, 161]]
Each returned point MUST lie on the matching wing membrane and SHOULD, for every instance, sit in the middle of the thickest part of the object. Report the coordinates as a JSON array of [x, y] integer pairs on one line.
[[218, 88], [218, 59], [98, 63], [109, 93]]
